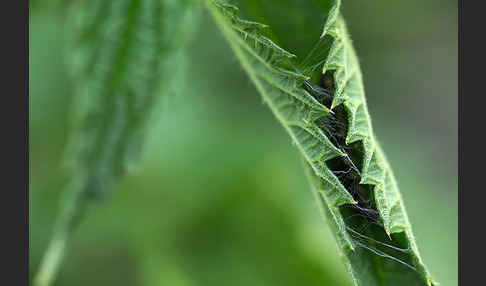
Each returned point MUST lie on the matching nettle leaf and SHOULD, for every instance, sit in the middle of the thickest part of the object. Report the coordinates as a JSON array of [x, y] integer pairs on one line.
[[122, 59], [123, 55], [321, 103]]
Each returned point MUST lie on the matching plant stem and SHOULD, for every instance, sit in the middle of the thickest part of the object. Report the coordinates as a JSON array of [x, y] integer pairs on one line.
[[71, 212]]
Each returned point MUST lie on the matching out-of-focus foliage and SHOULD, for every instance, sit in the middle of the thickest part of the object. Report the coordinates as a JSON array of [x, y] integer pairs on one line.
[[121, 57], [219, 194]]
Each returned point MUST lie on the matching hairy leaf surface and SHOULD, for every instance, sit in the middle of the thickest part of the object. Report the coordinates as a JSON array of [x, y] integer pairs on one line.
[[365, 210]]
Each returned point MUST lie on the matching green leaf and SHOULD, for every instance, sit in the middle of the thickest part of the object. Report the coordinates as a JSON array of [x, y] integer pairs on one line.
[[352, 181], [123, 56], [120, 61]]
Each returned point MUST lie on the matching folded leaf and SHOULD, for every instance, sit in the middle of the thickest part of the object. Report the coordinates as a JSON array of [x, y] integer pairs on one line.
[[320, 101]]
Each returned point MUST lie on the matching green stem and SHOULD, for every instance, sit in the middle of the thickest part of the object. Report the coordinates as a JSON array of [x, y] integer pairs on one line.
[[72, 211]]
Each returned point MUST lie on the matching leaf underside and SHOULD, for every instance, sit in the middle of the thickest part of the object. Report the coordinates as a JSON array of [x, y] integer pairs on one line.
[[321, 103]]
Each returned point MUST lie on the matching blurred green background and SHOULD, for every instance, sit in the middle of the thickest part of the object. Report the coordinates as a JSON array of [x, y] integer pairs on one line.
[[220, 197]]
